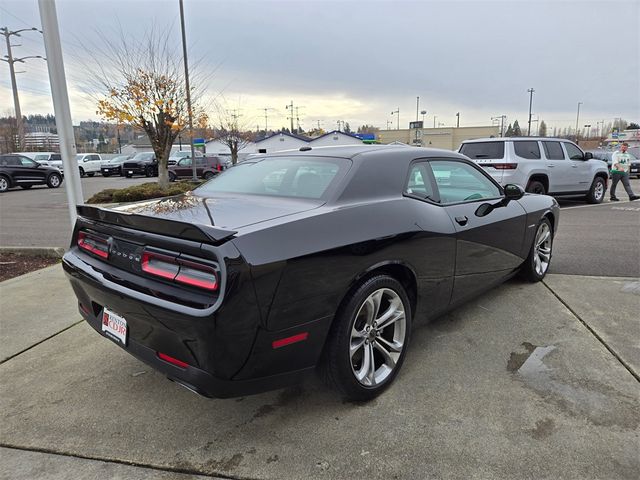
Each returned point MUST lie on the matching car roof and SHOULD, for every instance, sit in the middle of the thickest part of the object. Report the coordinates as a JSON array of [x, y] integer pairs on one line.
[[362, 151], [509, 139]]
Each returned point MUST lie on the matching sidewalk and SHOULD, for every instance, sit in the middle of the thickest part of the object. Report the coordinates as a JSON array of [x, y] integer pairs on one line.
[[530, 380]]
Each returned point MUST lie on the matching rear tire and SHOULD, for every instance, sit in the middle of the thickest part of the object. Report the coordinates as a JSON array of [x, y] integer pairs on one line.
[[536, 265], [208, 175], [536, 187], [368, 339], [597, 191], [54, 180], [172, 177]]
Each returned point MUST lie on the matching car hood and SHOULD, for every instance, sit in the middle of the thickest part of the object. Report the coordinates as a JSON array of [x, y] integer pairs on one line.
[[229, 211]]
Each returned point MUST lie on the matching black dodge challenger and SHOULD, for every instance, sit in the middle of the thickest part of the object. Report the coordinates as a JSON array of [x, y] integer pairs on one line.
[[320, 258]]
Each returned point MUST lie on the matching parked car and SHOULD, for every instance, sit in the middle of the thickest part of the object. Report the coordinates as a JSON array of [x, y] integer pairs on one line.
[[179, 155], [21, 171], [89, 163], [245, 285], [143, 163], [551, 166], [114, 166], [206, 167]]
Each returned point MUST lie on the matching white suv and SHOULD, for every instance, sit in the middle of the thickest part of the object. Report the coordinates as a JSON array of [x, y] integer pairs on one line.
[[552, 166], [88, 163]]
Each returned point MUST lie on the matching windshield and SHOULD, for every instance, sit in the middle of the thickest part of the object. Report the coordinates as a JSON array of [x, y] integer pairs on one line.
[[118, 159], [308, 177], [144, 156], [41, 157]]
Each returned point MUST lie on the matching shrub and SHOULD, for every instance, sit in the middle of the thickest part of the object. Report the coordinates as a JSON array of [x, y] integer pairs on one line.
[[145, 191]]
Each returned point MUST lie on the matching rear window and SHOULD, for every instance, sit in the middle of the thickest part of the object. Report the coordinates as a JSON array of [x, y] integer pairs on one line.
[[526, 149], [308, 177], [56, 157], [553, 150], [480, 150]]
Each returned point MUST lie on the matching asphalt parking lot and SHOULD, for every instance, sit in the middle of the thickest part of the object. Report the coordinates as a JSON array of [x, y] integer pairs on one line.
[[527, 381]]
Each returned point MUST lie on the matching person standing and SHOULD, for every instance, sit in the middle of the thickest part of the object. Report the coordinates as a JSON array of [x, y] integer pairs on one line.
[[620, 163]]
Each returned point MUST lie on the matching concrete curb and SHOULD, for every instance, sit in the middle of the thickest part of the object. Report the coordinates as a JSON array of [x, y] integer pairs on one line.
[[50, 252]]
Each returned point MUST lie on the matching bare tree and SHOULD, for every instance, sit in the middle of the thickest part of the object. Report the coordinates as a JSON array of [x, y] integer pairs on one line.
[[231, 133], [141, 83]]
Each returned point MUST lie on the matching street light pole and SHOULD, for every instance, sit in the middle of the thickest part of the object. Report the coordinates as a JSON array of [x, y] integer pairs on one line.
[[577, 120], [417, 107], [458, 120], [186, 81], [60, 96], [434, 121], [397, 112], [531, 90]]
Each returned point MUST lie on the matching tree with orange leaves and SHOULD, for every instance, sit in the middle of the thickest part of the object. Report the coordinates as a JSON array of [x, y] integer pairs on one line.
[[143, 86]]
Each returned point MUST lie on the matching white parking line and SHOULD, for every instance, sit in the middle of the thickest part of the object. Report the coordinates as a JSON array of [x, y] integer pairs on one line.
[[611, 204]]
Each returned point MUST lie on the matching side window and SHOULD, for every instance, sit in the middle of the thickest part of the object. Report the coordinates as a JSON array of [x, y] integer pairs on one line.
[[553, 150], [185, 162], [459, 182], [574, 152], [95, 157], [419, 182], [527, 149], [26, 162]]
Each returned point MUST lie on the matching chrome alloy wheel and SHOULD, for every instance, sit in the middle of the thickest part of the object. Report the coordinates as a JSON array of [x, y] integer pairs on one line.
[[4, 185], [598, 191], [377, 337], [542, 254], [54, 181]]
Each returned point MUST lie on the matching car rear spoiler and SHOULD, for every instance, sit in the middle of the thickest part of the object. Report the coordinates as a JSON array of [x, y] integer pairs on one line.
[[160, 226]]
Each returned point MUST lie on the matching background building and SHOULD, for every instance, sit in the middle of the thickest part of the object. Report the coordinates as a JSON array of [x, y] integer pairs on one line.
[[448, 138]]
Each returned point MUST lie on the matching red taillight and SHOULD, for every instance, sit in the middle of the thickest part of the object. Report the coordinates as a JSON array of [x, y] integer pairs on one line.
[[504, 166], [174, 361], [219, 167], [93, 244], [179, 270], [159, 265], [289, 340]]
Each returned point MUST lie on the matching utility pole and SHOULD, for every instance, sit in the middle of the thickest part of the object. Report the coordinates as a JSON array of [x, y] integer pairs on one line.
[[397, 112], [186, 81], [417, 107], [502, 119], [266, 125], [531, 90], [290, 106], [12, 73], [434, 121], [60, 96], [577, 120], [458, 120], [389, 122], [298, 117]]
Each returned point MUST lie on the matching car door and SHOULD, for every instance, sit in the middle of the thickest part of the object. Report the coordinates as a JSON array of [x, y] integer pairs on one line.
[[28, 171], [581, 175], [488, 245], [183, 168], [559, 169]]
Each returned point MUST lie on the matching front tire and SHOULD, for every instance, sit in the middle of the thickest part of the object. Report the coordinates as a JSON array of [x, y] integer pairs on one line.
[[148, 172], [537, 263], [208, 175], [4, 184], [172, 177], [54, 180], [597, 191], [81, 172], [536, 187], [368, 339]]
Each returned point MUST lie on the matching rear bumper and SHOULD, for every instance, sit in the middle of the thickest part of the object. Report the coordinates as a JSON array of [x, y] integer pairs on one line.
[[227, 353]]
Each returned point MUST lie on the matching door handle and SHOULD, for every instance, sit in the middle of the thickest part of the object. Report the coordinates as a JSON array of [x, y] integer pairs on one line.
[[462, 220], [574, 165], [551, 166]]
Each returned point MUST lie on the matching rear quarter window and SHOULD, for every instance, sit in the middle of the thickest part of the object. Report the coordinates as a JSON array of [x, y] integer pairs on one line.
[[482, 150]]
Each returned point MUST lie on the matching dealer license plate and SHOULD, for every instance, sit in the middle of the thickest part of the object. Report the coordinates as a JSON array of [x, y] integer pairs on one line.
[[114, 326]]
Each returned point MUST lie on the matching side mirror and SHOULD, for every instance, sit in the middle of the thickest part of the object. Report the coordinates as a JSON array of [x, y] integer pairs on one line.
[[588, 156], [513, 192]]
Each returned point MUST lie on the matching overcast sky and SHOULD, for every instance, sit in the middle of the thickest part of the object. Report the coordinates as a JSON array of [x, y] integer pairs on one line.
[[358, 61]]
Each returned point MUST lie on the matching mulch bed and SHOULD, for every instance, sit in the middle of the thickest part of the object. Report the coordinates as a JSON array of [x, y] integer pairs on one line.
[[12, 264]]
